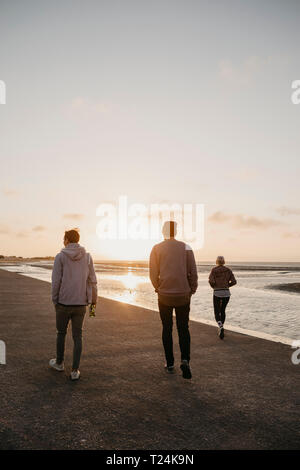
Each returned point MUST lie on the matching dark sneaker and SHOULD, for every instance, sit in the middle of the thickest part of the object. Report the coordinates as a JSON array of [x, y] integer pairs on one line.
[[186, 371], [169, 369], [221, 333]]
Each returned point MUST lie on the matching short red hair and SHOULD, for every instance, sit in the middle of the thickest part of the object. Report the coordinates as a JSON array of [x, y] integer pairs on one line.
[[72, 235]]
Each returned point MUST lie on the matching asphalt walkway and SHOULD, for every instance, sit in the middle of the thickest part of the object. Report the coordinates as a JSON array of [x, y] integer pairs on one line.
[[245, 392]]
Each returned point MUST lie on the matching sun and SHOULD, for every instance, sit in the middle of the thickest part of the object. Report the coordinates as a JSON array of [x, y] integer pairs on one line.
[[135, 250]]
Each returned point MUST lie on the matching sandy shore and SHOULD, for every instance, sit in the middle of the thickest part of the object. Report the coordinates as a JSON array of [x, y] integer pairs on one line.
[[244, 393]]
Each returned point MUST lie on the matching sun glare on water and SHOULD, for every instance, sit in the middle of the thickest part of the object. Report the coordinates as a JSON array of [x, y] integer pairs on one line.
[[126, 285]]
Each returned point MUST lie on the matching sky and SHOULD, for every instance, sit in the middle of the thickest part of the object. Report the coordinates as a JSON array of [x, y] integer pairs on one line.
[[165, 102]]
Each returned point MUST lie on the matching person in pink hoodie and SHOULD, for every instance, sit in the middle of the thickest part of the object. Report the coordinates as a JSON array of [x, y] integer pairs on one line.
[[74, 286]]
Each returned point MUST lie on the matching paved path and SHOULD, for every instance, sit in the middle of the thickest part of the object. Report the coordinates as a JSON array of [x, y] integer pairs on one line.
[[244, 393]]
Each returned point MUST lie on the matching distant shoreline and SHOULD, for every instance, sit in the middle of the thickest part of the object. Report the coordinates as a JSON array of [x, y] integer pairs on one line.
[[283, 268], [291, 287]]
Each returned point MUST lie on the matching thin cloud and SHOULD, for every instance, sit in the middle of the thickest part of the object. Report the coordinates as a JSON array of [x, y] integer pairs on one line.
[[73, 216], [10, 192], [219, 217], [21, 235], [242, 73], [244, 175], [291, 235], [284, 211], [83, 104], [86, 110], [248, 71], [4, 230], [243, 221], [38, 228]]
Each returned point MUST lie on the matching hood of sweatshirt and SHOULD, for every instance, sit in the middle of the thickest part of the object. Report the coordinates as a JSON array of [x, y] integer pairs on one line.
[[74, 251]]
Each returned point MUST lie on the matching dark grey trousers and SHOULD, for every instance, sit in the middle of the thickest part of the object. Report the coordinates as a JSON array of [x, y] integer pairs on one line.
[[65, 313]]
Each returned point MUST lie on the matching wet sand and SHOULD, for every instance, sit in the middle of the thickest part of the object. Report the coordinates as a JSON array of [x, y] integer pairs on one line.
[[244, 393], [290, 287]]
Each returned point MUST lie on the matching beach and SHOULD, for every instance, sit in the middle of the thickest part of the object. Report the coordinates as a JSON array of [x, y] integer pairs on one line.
[[257, 305], [244, 393]]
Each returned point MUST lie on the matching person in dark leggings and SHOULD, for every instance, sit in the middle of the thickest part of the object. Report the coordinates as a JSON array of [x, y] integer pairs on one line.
[[220, 304], [221, 278]]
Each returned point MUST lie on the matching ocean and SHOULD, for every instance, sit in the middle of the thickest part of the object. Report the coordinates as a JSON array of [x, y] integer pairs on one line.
[[254, 308]]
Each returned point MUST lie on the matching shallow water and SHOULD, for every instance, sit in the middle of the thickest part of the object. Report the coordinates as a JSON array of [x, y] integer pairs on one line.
[[252, 305]]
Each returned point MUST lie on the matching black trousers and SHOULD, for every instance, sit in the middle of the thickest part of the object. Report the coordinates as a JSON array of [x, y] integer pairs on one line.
[[182, 322], [220, 304]]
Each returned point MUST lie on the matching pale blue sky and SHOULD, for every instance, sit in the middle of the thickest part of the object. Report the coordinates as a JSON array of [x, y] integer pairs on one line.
[[183, 101]]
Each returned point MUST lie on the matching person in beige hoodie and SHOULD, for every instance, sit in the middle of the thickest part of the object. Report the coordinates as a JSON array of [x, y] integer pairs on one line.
[[221, 278], [173, 274]]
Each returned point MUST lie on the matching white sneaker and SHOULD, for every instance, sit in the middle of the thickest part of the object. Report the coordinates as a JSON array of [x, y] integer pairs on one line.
[[75, 374], [54, 365]]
